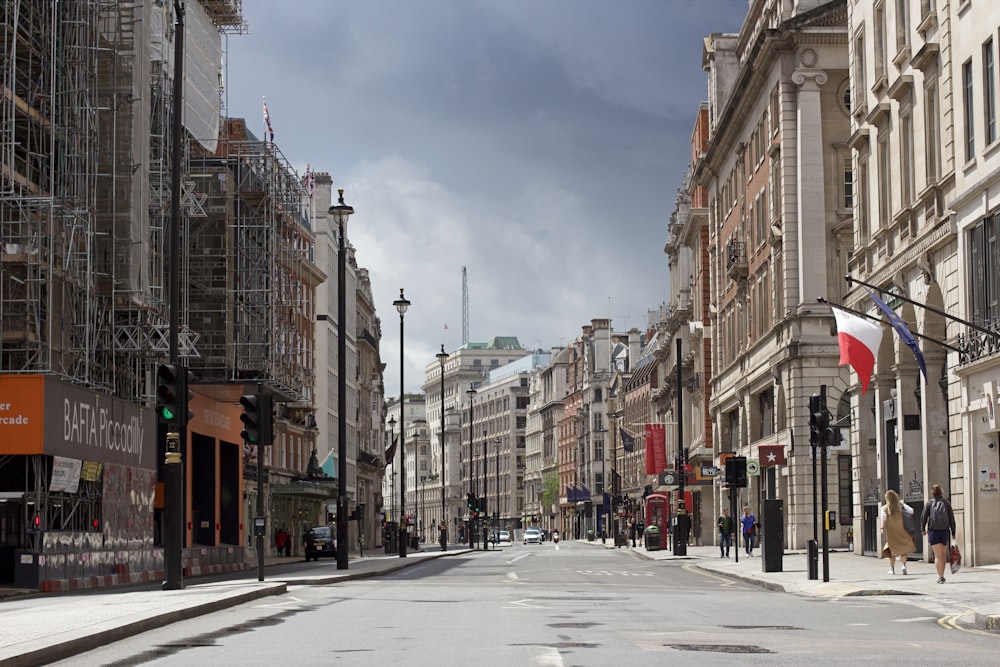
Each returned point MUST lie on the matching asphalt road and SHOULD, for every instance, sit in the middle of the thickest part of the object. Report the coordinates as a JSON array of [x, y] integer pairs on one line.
[[554, 605]]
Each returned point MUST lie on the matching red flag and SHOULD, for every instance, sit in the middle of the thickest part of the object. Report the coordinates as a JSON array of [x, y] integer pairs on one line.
[[771, 455], [656, 449], [859, 340]]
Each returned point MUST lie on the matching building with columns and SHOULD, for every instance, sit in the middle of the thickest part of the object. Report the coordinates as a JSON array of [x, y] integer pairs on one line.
[[778, 126]]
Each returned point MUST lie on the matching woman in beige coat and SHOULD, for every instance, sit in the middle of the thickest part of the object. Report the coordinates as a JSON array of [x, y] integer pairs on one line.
[[897, 541]]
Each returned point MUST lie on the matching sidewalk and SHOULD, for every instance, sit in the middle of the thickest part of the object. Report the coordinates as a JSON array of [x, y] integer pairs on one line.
[[38, 629], [972, 592]]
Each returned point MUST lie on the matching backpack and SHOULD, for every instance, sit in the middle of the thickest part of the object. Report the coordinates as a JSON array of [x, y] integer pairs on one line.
[[909, 521], [938, 517]]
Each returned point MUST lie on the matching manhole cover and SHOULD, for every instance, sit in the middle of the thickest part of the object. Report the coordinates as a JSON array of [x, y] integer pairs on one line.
[[719, 648]]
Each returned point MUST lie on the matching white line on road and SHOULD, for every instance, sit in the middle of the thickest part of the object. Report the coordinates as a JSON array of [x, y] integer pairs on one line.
[[512, 575], [517, 558], [550, 657]]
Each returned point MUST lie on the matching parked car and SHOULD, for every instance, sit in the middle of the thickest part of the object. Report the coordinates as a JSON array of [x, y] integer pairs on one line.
[[532, 536], [320, 541]]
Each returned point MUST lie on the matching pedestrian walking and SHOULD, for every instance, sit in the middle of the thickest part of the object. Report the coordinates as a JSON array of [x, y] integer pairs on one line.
[[279, 541], [748, 522], [937, 522], [897, 541], [725, 525]]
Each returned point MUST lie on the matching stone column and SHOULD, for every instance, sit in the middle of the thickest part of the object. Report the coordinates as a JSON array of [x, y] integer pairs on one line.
[[811, 191]]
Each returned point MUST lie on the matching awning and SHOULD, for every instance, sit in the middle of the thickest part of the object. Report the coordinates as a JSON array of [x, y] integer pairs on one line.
[[319, 491]]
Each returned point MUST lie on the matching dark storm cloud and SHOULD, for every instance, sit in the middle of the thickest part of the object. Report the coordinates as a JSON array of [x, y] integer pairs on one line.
[[540, 144]]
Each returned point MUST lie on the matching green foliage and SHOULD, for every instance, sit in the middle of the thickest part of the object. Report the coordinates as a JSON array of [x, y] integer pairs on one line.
[[550, 490]]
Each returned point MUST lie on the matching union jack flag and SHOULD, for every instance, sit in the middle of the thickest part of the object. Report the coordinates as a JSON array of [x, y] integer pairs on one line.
[[267, 121]]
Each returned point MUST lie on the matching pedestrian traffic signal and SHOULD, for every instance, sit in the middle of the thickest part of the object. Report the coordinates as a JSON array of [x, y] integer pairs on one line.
[[257, 419], [736, 471]]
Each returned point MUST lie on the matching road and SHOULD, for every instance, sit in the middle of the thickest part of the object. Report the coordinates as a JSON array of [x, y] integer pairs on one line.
[[554, 605]]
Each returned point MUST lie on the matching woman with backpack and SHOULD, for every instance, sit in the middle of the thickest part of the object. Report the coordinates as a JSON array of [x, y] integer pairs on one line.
[[897, 540], [937, 522]]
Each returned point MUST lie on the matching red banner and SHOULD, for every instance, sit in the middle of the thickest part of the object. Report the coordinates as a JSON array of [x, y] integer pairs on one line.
[[656, 449]]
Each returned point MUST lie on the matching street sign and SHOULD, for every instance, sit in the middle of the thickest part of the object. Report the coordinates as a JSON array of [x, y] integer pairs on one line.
[[753, 467], [667, 479], [710, 471]]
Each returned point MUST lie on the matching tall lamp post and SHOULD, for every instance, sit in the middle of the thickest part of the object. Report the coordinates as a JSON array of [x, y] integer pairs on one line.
[[442, 357], [486, 493], [496, 510], [392, 491], [401, 305], [340, 213], [471, 393], [615, 491]]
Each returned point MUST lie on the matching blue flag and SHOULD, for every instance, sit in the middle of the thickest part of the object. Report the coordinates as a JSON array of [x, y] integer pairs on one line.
[[902, 329], [628, 441]]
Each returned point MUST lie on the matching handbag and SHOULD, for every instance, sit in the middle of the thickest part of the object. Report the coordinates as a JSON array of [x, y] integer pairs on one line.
[[954, 558]]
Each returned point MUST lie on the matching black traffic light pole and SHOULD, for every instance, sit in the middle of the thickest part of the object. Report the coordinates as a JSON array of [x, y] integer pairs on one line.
[[680, 532], [173, 470]]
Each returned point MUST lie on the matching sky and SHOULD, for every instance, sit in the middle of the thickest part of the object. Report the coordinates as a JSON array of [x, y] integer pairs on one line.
[[538, 143]]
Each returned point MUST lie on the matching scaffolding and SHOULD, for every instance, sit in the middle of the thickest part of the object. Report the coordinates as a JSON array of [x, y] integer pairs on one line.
[[250, 307]]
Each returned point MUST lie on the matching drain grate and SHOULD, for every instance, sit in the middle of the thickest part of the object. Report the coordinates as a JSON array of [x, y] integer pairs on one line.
[[720, 648], [761, 627]]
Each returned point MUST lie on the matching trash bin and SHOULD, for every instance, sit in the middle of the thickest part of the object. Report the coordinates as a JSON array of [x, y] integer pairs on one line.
[[622, 539], [652, 535]]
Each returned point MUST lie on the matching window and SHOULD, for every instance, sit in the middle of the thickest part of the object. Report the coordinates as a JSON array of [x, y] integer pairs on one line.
[[880, 44], [860, 85], [765, 408], [848, 183], [970, 134], [906, 179], [984, 270], [902, 24], [932, 132], [989, 93], [884, 166], [845, 489], [774, 113]]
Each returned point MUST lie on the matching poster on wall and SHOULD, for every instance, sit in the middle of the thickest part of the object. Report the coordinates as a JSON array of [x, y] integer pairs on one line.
[[987, 481], [65, 474]]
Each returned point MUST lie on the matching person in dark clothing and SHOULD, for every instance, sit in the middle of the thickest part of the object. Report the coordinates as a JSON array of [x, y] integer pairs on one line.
[[725, 526], [937, 522]]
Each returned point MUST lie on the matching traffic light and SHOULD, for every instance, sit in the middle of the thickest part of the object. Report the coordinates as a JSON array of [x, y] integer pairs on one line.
[[819, 421], [168, 392], [470, 502], [736, 471], [257, 418], [172, 394]]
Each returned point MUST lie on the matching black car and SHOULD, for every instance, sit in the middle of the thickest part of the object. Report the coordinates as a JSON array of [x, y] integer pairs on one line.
[[320, 541]]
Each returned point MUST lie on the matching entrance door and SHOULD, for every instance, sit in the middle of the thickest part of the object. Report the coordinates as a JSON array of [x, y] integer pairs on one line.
[[871, 546]]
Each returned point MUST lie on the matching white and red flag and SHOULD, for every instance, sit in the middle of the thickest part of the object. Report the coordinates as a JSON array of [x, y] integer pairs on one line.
[[859, 341]]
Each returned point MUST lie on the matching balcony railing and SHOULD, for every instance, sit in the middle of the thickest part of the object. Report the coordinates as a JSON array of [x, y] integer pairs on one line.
[[736, 259]]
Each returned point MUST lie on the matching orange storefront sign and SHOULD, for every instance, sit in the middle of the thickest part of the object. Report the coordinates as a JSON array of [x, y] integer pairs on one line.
[[22, 414]]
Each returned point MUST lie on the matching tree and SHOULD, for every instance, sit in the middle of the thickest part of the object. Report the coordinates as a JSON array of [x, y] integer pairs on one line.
[[550, 491]]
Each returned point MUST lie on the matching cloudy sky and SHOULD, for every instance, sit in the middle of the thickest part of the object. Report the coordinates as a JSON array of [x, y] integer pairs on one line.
[[539, 143]]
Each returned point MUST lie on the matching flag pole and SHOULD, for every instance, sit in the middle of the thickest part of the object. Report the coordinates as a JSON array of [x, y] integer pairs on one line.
[[850, 279], [879, 320]]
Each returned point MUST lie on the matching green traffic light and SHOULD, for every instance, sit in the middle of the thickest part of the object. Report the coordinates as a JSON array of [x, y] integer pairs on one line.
[[166, 413]]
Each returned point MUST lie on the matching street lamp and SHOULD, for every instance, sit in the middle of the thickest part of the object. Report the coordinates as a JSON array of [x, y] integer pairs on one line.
[[471, 393], [340, 213], [442, 357], [392, 491], [401, 305], [615, 491], [496, 510]]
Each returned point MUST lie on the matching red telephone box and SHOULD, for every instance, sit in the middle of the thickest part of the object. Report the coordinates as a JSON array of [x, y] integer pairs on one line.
[[658, 513]]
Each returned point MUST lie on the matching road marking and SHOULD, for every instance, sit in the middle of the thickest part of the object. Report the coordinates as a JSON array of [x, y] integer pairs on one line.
[[512, 575], [527, 603], [915, 619], [952, 623], [549, 657], [517, 558]]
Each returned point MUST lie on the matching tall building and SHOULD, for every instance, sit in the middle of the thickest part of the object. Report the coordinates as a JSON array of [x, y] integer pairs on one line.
[[779, 122]]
